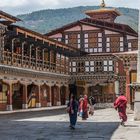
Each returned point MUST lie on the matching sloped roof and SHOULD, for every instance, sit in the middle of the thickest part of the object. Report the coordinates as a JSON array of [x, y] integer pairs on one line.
[[8, 17], [103, 10], [122, 28]]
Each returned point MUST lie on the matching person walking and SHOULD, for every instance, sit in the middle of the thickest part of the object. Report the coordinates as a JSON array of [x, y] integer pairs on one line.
[[92, 102], [72, 110], [85, 108], [120, 104], [80, 109]]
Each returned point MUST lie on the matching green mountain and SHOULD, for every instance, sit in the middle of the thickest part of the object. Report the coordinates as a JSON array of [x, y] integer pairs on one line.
[[46, 20]]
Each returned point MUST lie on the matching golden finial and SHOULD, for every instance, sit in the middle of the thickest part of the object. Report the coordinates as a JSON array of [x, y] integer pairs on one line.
[[102, 4]]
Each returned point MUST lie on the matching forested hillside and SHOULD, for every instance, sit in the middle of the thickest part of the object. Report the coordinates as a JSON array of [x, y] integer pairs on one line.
[[45, 20]]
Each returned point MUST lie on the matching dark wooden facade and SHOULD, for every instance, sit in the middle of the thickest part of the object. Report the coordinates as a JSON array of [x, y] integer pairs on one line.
[[34, 70], [110, 47]]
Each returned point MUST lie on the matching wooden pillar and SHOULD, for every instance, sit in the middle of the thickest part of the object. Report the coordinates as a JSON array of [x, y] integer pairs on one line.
[[22, 53], [1, 48], [43, 59], [9, 98], [127, 85], [25, 100], [49, 96], [30, 54], [36, 50], [38, 97], [58, 95], [12, 51], [49, 60]]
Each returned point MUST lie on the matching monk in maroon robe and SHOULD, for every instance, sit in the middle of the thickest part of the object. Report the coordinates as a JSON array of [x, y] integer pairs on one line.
[[120, 104], [85, 108]]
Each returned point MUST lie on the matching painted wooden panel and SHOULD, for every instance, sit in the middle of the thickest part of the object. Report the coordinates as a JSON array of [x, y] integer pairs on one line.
[[76, 28], [86, 27], [59, 35], [110, 32]]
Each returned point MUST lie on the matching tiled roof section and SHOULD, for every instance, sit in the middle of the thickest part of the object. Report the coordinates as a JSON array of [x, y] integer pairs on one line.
[[41, 37], [122, 28], [103, 10], [8, 17]]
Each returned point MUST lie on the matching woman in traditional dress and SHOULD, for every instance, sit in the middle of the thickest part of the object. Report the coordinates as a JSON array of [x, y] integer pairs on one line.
[[72, 110], [85, 108]]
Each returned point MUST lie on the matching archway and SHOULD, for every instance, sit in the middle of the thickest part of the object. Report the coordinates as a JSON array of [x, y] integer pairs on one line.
[[96, 92], [3, 95], [32, 91], [80, 91], [54, 95], [17, 95], [63, 95], [45, 95]]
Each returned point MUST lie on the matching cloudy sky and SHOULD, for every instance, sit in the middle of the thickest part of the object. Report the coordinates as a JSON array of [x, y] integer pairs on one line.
[[26, 6]]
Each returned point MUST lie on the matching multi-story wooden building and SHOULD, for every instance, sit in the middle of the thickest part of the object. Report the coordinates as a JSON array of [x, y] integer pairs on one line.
[[34, 70], [110, 65], [93, 56]]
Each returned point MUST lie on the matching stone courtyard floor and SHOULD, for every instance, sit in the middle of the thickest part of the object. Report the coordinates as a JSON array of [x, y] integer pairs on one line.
[[54, 125]]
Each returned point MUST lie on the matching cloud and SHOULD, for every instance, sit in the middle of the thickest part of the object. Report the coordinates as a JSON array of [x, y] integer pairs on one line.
[[26, 6]]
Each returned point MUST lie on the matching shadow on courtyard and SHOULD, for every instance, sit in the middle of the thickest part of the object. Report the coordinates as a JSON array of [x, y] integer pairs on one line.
[[26, 126], [33, 130]]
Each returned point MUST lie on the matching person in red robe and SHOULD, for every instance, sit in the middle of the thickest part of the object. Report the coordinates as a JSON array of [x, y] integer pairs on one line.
[[85, 108], [120, 104]]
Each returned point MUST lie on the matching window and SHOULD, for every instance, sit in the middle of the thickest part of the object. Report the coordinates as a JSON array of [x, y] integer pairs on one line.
[[107, 49], [108, 39], [129, 46], [92, 69], [121, 38], [74, 69], [86, 40], [99, 34], [99, 44], [87, 69], [78, 35], [121, 49], [110, 68], [73, 63], [86, 35], [110, 62], [66, 41], [121, 43], [59, 39], [95, 49], [105, 68], [79, 46], [92, 63], [99, 49], [66, 36], [99, 39], [87, 63], [86, 50], [86, 45], [91, 50], [108, 65], [105, 62]]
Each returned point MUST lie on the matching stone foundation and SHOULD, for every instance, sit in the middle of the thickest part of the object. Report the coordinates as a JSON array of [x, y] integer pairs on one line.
[[9, 108], [137, 106], [58, 103], [24, 106], [38, 105]]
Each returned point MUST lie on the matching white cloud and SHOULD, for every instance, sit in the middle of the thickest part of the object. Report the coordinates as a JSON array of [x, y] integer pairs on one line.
[[25, 6]]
